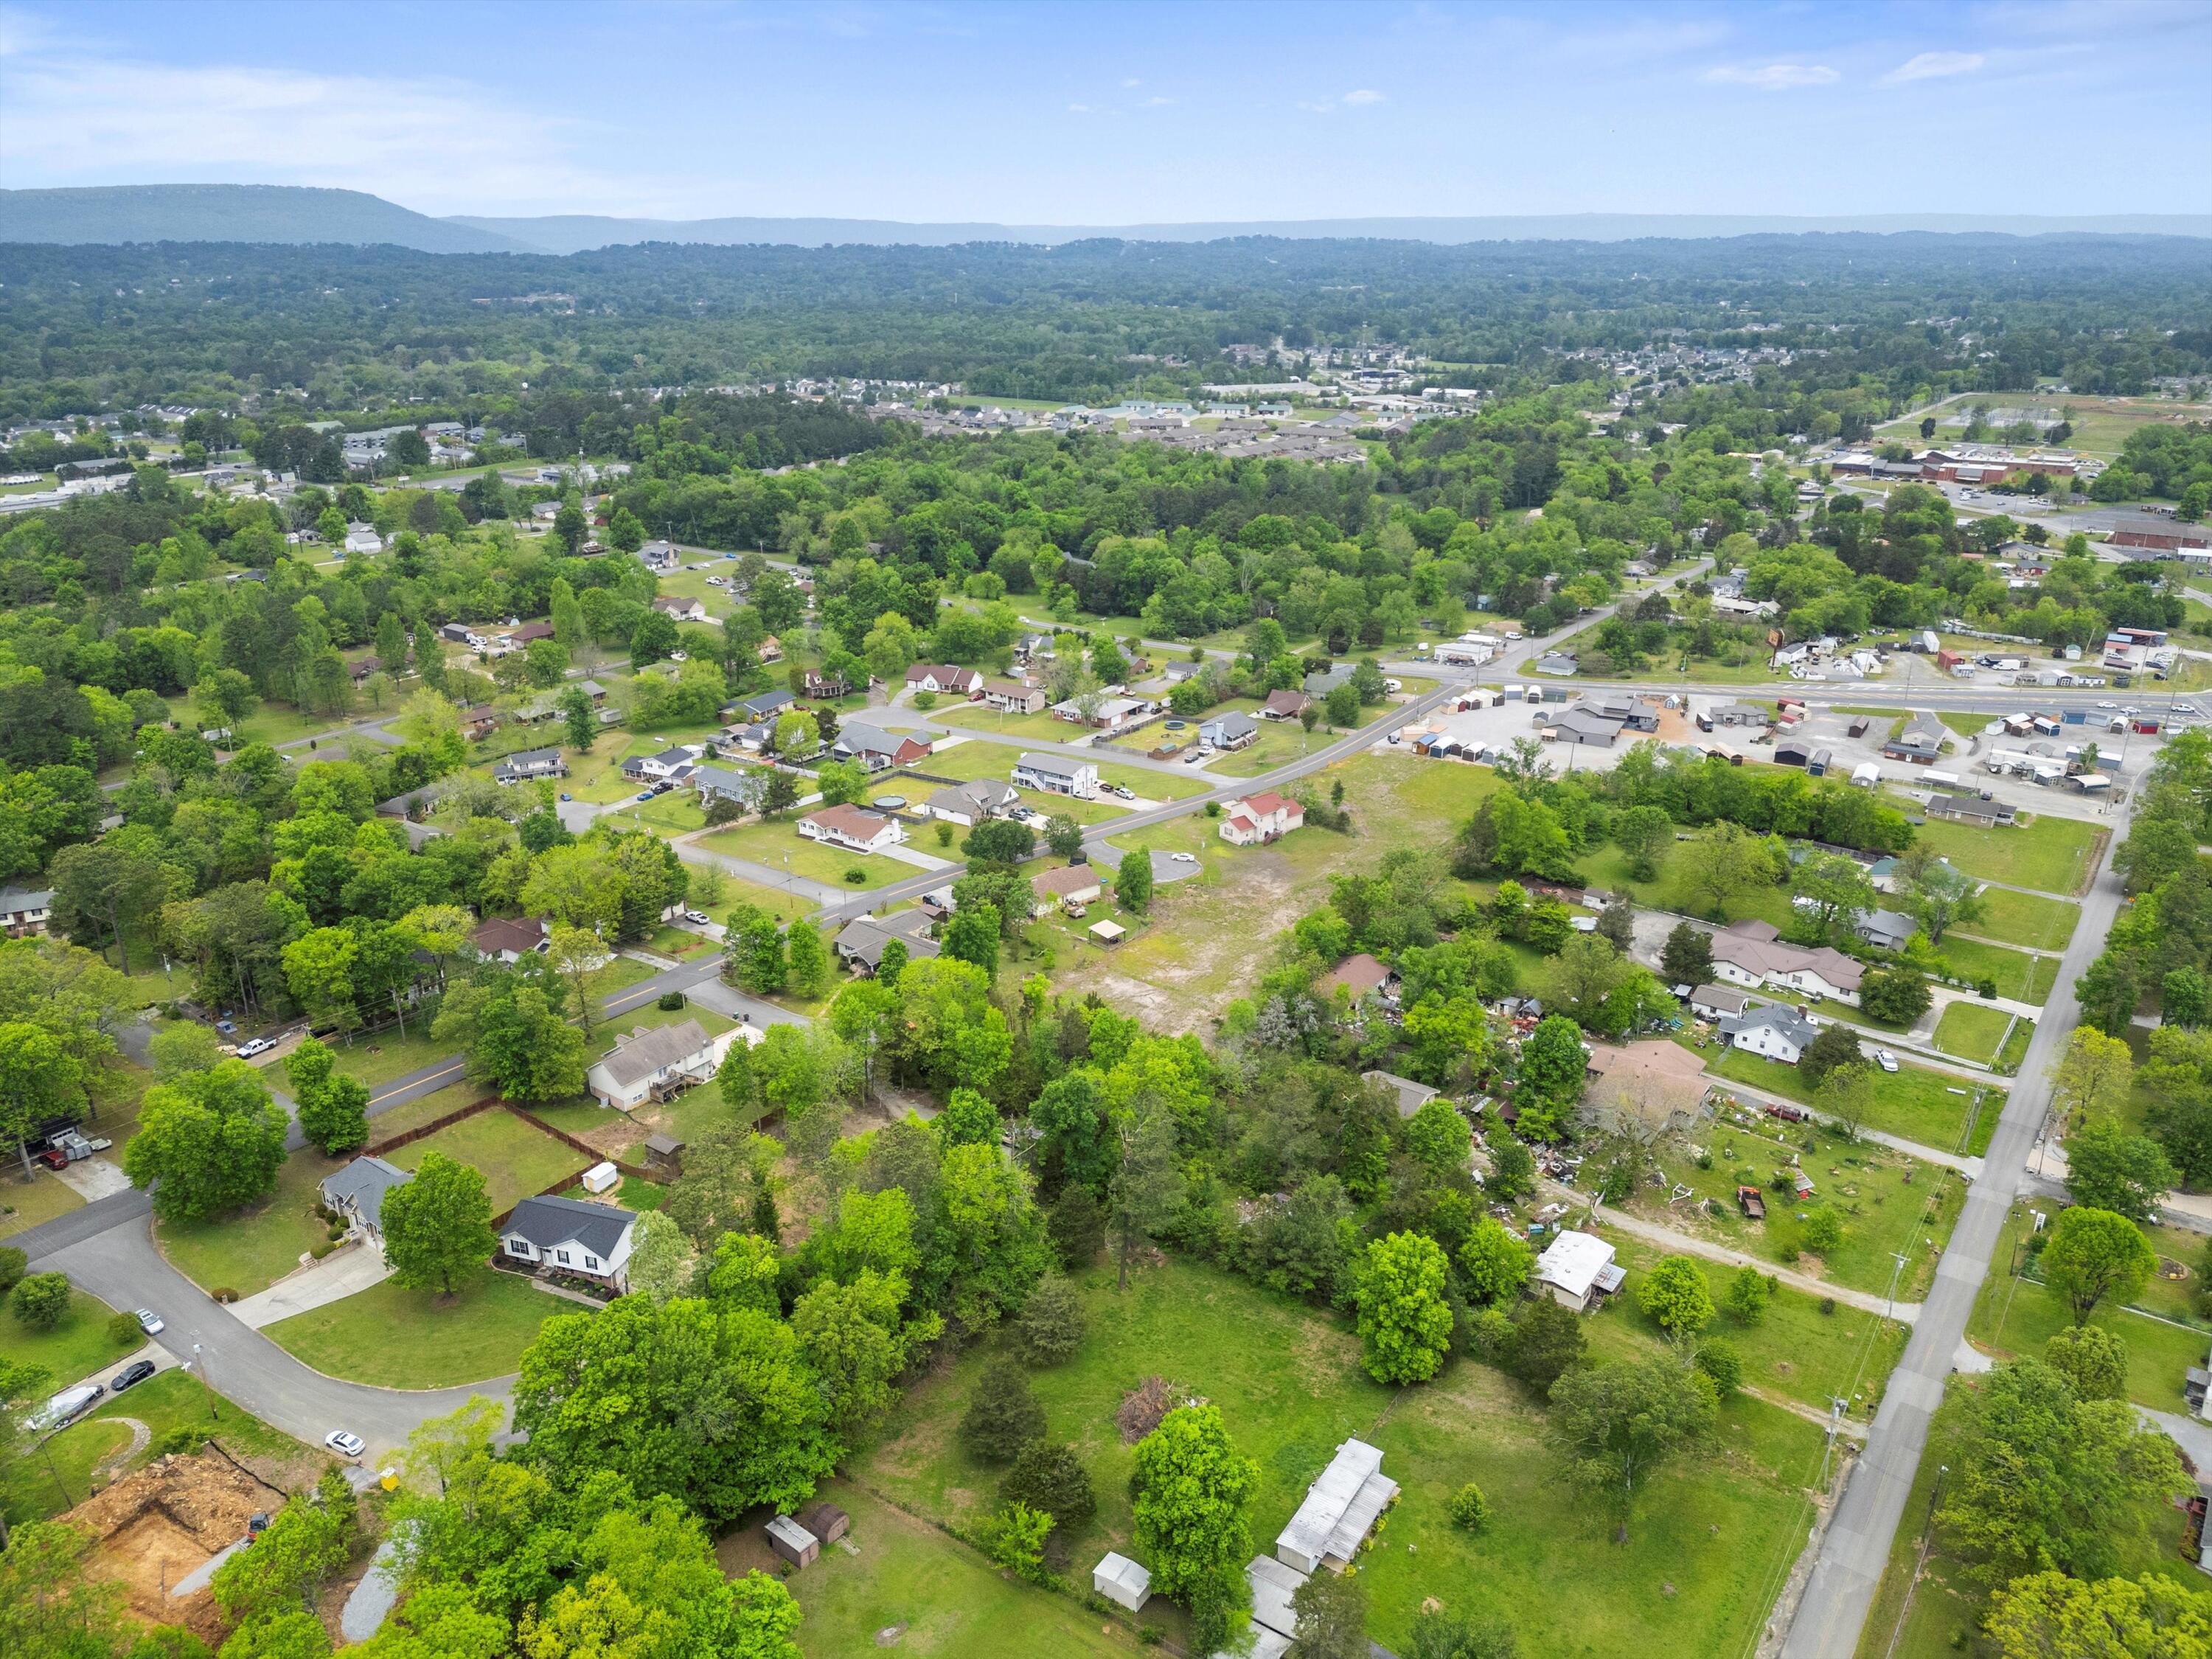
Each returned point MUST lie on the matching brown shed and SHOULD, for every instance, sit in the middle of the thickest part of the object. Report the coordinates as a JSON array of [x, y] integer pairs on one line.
[[663, 1155], [826, 1521], [793, 1541]]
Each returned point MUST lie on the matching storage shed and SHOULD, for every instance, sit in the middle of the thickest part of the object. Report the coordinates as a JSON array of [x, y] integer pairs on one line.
[[602, 1177], [793, 1541], [826, 1521], [1122, 1582], [1577, 1269], [663, 1155]]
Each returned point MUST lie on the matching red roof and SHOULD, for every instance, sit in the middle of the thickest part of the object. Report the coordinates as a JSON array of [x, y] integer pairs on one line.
[[848, 820], [1272, 802]]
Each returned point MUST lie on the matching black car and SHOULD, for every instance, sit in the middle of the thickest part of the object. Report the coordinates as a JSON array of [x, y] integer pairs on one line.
[[131, 1376]]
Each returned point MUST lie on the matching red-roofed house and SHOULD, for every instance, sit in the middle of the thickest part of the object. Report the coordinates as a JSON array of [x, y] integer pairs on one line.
[[1359, 975], [1256, 819], [850, 827]]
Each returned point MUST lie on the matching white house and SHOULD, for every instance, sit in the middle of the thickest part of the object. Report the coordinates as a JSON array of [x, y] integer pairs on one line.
[[680, 607], [363, 538], [529, 763], [970, 803], [648, 1064], [1229, 731], [850, 827], [1576, 1269], [1057, 775], [357, 1191], [1252, 820], [1771, 1029], [1340, 1509], [569, 1236], [943, 677], [1751, 954], [24, 910]]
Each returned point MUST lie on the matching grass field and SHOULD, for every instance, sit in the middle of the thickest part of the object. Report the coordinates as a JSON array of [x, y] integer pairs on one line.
[[1914, 1102], [516, 1159], [1608, 870], [770, 843], [2050, 854], [1972, 1030], [1289, 1387], [376, 1061], [24, 1204], [2011, 918], [2019, 975], [1280, 742], [974, 717], [250, 1251], [77, 1346], [396, 1338]]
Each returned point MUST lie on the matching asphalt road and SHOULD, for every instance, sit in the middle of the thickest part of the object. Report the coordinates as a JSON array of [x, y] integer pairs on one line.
[[1840, 1592]]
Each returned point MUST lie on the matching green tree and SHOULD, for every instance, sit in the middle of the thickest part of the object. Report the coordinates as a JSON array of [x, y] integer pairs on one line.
[[291, 1558], [1553, 1068], [2109, 1168], [2090, 1357], [1674, 1295], [1049, 1327], [1616, 1426], [1002, 1416], [1900, 994], [842, 781], [2042, 1481], [1405, 1324], [1547, 1343], [1063, 836], [2049, 1615], [437, 1227], [1494, 1264], [1133, 882], [1018, 1538], [40, 1080], [1051, 1479], [854, 1336], [1687, 957], [1833, 1045], [1830, 888], [998, 840], [1644, 834], [1728, 861], [1190, 1490], [661, 1259], [1512, 1170], [972, 936], [1747, 1296], [1941, 898], [40, 1300], [807, 974], [1846, 1096], [577, 715], [2094, 1076], [1331, 1614], [2093, 1256], [1437, 1138], [213, 1141], [49, 1604], [1147, 1190], [335, 1118]]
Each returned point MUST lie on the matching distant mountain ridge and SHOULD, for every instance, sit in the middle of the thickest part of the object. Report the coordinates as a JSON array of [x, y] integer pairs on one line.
[[300, 214]]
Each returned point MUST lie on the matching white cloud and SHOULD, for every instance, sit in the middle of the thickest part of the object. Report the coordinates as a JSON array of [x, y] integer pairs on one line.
[[1322, 107], [1081, 109], [1132, 82], [1933, 66], [1364, 95], [1773, 77], [1156, 100]]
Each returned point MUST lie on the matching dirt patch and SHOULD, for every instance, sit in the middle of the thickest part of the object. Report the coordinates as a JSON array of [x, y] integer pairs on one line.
[[155, 1527]]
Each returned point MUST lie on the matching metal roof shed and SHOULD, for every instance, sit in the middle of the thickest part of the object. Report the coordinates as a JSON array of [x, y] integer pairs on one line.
[[1122, 1582]]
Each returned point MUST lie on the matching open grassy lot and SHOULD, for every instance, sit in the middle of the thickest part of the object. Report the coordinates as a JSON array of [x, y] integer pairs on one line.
[[1914, 1102], [950, 1599], [2017, 1315], [61, 1473], [1972, 1030], [398, 1338], [2051, 854], [517, 1160], [974, 717], [1289, 1384], [76, 1348], [252, 1250], [376, 1061], [27, 1204], [978, 759], [1280, 742], [769, 844], [280, 722], [427, 1109], [2011, 918], [1888, 1201], [1608, 870], [2019, 975], [782, 901]]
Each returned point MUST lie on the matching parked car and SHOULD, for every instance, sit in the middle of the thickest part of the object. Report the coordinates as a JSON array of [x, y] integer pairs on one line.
[[131, 1376], [1122, 790], [149, 1321], [1885, 1060], [679, 656], [1789, 1113], [566, 796], [228, 1027], [345, 1443], [696, 918], [1183, 857], [255, 1046], [645, 794]]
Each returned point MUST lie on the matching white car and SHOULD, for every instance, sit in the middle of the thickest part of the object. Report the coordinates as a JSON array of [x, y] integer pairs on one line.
[[148, 1321], [1393, 685], [1183, 857], [696, 918], [2108, 705], [2129, 710], [345, 1443], [679, 656], [1885, 1060], [247, 1050]]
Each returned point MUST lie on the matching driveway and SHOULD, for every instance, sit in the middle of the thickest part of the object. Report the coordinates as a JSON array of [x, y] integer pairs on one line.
[[121, 1266], [335, 1276]]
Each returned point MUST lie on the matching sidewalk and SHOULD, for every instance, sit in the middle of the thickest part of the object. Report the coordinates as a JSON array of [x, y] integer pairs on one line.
[[335, 1276]]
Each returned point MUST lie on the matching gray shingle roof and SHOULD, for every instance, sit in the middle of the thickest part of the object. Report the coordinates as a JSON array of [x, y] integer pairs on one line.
[[363, 1184], [641, 1057], [549, 1221]]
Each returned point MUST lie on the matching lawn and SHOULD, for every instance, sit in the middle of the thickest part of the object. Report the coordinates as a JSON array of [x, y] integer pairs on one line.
[[24, 1206], [974, 717], [41, 1486], [2051, 854], [252, 1250], [1973, 1030], [950, 1598], [278, 723], [2016, 1314], [76, 1348], [1608, 870], [517, 1160], [1280, 742], [1289, 1384], [377, 1060], [2018, 976], [775, 844], [1914, 1102], [2041, 924], [427, 1109], [396, 1338], [736, 890]]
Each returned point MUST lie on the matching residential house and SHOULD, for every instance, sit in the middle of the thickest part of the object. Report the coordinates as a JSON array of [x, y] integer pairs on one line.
[[1360, 975], [660, 557], [1885, 930], [1660, 1082], [1771, 1029], [1229, 731], [1253, 820], [478, 721], [681, 608], [1751, 954], [357, 1191], [1411, 1096], [529, 763], [714, 783], [1110, 713], [1965, 808], [760, 705], [594, 691], [1717, 1002], [859, 945], [970, 803], [942, 678], [1576, 1269], [1920, 740], [851, 829], [359, 669], [1284, 705], [879, 749], [653, 1063], [509, 938], [565, 1235], [529, 633], [1324, 681], [1070, 884], [770, 650], [824, 687], [24, 910], [1013, 697], [1340, 1509], [669, 764], [1032, 645], [363, 538], [1057, 775]]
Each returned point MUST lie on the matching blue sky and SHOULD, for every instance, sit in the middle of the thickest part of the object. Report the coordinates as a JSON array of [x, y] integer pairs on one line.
[[1104, 114]]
